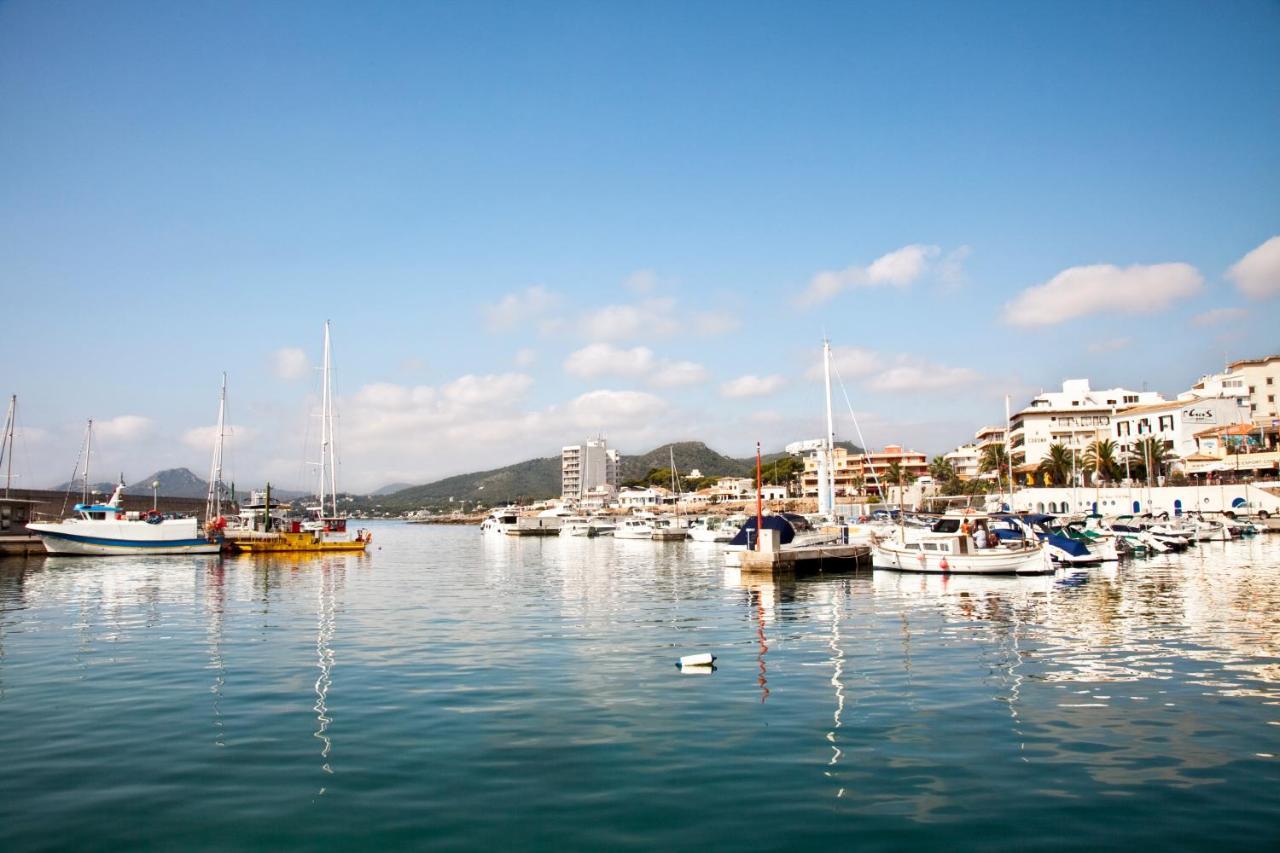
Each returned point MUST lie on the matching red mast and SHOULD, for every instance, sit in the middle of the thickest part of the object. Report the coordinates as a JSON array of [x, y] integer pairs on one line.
[[759, 499]]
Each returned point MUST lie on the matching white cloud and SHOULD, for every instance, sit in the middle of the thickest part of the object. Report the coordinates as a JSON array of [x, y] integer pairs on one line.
[[1216, 316], [751, 386], [525, 357], [201, 438], [892, 373], [1257, 274], [847, 363], [951, 268], [123, 428], [1103, 288], [1110, 345], [658, 317], [670, 374], [473, 391], [641, 281], [898, 268], [911, 374], [608, 409], [652, 318], [290, 363], [525, 306], [607, 360]]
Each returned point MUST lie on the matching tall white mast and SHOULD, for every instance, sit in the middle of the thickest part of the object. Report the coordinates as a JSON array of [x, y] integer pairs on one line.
[[6, 447], [213, 503], [88, 452], [328, 457], [831, 431]]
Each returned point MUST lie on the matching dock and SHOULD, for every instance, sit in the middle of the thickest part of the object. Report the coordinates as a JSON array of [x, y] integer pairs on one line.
[[806, 561]]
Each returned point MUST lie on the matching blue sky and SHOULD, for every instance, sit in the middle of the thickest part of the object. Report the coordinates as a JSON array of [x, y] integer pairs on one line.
[[531, 222]]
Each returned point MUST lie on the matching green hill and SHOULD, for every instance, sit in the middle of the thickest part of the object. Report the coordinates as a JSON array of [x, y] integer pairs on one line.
[[539, 479]]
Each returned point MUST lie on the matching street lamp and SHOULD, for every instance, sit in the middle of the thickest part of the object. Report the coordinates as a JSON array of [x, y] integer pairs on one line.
[[155, 492]]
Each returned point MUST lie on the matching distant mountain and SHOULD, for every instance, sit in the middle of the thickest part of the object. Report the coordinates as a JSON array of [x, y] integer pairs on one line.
[[174, 483], [539, 479], [391, 488], [534, 479], [75, 487], [688, 455]]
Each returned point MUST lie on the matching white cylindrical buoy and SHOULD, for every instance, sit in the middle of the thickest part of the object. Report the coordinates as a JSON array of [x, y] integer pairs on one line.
[[704, 659], [701, 669]]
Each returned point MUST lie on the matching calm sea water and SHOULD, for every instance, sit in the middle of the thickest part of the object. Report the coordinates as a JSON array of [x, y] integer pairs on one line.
[[455, 691]]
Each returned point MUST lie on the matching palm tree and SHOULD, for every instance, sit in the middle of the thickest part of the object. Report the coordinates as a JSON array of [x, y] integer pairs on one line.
[[1058, 464], [941, 470], [1100, 458], [994, 458], [1148, 459]]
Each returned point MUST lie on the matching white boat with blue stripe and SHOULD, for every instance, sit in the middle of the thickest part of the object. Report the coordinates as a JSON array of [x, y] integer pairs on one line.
[[107, 529]]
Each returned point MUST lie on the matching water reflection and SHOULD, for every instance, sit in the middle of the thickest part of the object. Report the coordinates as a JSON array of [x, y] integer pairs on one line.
[[326, 617], [215, 604]]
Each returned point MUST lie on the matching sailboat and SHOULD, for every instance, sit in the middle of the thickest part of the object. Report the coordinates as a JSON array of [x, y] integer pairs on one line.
[[672, 528], [108, 529], [324, 529]]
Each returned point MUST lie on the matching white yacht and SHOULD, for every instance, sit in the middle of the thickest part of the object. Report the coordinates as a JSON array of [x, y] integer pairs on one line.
[[712, 529], [577, 525], [500, 520], [603, 525], [639, 526]]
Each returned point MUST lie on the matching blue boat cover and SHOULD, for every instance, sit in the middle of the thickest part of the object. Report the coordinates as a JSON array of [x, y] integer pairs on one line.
[[771, 522]]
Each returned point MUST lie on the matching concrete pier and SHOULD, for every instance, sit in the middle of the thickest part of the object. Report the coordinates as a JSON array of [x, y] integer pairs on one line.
[[802, 562]]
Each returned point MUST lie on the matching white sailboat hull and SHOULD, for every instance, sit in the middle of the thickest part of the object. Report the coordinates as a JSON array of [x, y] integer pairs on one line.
[[993, 561]]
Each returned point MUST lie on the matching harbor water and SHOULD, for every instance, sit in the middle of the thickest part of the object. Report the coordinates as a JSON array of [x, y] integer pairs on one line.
[[457, 691]]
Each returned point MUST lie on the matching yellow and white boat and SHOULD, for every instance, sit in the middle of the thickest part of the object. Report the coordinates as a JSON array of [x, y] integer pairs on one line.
[[323, 530]]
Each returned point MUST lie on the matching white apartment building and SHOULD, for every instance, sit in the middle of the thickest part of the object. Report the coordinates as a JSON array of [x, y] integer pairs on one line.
[[1255, 380], [1075, 417], [586, 469], [1176, 422], [964, 459]]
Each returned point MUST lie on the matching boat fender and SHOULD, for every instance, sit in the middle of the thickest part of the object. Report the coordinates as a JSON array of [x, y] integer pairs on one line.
[[944, 565], [704, 659]]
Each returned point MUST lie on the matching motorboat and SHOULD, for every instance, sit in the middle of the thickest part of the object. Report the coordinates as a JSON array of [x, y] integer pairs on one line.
[[500, 520], [1062, 548], [109, 529], [577, 525], [712, 529], [603, 525], [963, 545], [639, 526], [670, 528]]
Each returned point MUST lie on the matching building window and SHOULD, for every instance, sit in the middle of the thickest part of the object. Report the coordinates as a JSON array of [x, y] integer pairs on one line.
[[1166, 422], [1131, 398]]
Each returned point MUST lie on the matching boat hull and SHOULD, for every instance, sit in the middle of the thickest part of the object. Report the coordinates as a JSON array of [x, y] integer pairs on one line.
[[1034, 561], [294, 543], [71, 544]]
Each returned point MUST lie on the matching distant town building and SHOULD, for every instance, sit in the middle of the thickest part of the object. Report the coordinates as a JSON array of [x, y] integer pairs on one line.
[[964, 461], [858, 473], [1257, 380], [1176, 423], [585, 469], [1074, 417]]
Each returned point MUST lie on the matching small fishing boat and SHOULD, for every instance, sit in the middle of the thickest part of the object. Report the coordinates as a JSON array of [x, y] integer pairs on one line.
[[949, 548]]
